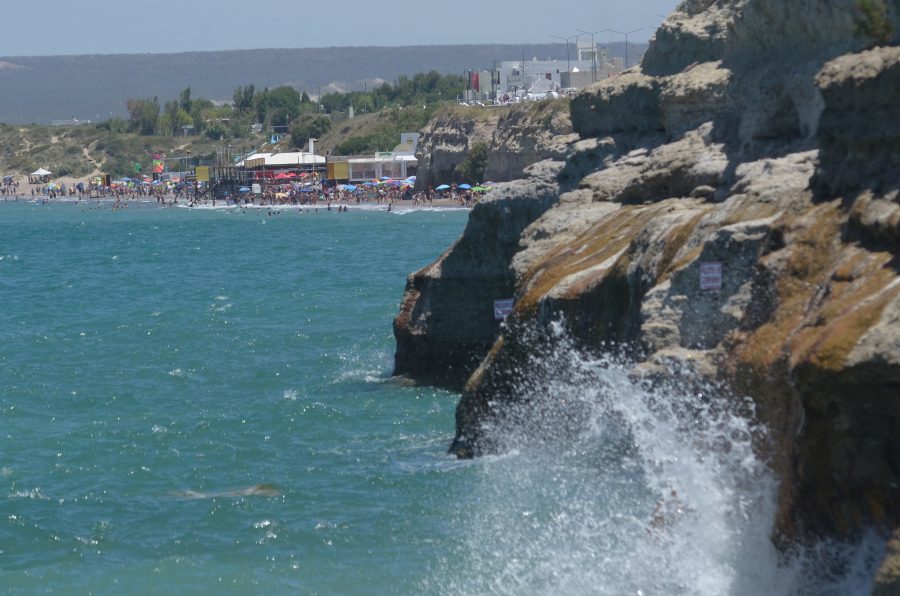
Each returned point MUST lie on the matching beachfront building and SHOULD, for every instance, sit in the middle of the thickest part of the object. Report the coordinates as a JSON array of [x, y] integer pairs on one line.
[[398, 164], [295, 164]]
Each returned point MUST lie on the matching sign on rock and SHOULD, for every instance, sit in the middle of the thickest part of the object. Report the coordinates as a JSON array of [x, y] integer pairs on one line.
[[503, 308], [711, 276]]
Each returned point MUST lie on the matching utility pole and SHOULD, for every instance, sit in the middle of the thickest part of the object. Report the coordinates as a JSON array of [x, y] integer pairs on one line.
[[626, 39], [568, 66]]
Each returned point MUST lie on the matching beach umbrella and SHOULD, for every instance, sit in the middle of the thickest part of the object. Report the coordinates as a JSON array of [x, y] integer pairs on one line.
[[349, 187], [464, 187], [480, 189], [442, 187], [243, 189]]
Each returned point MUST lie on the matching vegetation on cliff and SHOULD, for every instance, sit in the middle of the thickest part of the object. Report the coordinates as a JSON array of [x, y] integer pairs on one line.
[[873, 22]]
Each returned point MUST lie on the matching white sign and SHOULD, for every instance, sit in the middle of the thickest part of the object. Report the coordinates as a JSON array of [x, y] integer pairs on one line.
[[711, 276], [256, 189], [503, 308]]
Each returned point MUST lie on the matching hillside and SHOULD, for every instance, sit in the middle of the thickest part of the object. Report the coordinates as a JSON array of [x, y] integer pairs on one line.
[[39, 89], [84, 150]]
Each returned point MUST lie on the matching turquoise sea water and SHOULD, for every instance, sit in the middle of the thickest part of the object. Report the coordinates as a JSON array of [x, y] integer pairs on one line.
[[157, 364], [200, 402]]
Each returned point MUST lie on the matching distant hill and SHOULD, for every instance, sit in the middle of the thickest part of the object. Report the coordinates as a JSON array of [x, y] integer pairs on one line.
[[40, 89]]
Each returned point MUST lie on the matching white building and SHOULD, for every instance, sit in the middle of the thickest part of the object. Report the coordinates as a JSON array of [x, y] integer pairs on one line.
[[591, 63]]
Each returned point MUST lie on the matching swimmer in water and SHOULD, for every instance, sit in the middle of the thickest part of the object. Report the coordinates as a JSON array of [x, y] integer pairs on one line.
[[257, 490]]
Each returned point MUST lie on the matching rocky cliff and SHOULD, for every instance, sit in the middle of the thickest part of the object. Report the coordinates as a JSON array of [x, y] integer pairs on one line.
[[760, 141], [516, 136]]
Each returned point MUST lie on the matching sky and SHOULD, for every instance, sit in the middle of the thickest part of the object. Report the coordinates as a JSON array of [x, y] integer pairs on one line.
[[163, 26]]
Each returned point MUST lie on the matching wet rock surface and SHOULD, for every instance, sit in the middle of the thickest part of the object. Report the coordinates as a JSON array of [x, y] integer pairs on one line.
[[758, 136]]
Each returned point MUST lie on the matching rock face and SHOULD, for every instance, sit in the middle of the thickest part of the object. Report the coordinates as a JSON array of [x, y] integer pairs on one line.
[[758, 136], [446, 321], [516, 136]]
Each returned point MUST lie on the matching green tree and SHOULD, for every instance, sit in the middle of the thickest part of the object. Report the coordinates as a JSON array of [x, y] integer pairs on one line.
[[174, 118], [872, 21], [143, 115], [243, 98], [307, 127], [185, 100], [278, 107], [216, 131], [473, 167], [199, 109]]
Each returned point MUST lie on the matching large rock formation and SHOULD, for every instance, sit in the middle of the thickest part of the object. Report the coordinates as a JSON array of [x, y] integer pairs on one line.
[[758, 136], [516, 136]]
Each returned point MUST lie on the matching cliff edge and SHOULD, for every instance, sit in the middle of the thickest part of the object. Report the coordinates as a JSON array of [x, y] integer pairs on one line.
[[733, 203]]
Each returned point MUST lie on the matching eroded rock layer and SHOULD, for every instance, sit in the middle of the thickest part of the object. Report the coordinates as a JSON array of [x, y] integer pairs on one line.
[[759, 135]]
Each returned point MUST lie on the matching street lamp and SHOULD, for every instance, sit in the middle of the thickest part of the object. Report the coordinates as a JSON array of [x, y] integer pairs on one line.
[[626, 39], [594, 50], [566, 39]]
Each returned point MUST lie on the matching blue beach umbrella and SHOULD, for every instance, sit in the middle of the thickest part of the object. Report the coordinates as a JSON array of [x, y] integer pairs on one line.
[[464, 186], [442, 187], [243, 189], [349, 187]]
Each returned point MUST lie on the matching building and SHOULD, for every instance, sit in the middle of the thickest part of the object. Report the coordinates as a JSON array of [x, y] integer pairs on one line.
[[398, 164], [265, 166], [587, 65]]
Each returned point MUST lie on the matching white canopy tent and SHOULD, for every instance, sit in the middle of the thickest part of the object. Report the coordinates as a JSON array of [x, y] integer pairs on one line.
[[41, 172]]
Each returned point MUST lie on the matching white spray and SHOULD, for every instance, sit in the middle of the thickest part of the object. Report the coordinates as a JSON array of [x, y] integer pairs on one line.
[[611, 485]]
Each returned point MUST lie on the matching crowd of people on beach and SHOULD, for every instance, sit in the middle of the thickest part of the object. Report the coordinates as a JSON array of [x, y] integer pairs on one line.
[[384, 192], [350, 194]]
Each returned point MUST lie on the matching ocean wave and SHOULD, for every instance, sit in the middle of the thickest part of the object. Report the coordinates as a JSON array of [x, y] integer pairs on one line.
[[34, 494]]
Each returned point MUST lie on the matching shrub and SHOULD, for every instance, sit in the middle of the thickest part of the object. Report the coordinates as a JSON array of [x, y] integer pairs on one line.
[[309, 127], [473, 167], [872, 21]]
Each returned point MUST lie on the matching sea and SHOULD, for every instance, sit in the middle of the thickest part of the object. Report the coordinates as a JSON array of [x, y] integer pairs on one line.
[[200, 401]]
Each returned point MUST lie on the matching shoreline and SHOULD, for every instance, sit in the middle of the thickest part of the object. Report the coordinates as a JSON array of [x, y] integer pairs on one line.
[[147, 202]]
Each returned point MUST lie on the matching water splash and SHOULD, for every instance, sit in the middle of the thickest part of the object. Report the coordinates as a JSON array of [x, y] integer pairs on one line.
[[612, 484]]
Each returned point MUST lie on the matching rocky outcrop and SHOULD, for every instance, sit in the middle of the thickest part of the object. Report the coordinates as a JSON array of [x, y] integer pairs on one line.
[[516, 136], [859, 133], [758, 139], [446, 321], [887, 580]]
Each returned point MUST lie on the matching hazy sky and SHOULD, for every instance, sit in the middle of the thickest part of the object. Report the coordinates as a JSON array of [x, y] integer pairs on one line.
[[155, 26]]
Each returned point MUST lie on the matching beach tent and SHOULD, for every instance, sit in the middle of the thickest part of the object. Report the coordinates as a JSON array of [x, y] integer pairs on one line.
[[40, 172]]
